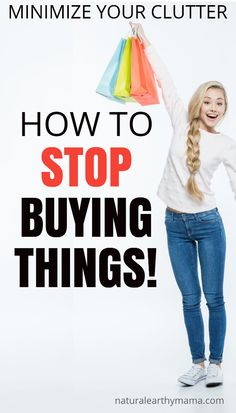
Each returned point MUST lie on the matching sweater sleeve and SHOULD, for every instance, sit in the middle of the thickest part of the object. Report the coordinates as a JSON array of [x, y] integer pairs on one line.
[[229, 161], [173, 103]]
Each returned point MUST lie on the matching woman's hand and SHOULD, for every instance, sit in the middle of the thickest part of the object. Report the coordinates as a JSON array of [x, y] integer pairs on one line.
[[139, 32], [137, 29]]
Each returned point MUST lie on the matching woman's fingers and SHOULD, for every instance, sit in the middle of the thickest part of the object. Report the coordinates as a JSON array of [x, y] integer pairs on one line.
[[133, 26], [137, 29]]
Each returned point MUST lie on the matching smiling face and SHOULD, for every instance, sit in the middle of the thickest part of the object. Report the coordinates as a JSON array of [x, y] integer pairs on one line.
[[212, 109]]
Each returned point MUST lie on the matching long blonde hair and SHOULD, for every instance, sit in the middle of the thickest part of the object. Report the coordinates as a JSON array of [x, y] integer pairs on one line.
[[193, 147]]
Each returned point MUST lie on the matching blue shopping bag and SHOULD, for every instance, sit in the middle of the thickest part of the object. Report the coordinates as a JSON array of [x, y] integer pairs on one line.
[[107, 83]]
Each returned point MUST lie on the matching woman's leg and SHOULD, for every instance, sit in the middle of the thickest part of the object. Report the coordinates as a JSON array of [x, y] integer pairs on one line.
[[212, 247], [183, 256]]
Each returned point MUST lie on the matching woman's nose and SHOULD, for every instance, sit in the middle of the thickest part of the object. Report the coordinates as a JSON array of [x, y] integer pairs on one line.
[[213, 107]]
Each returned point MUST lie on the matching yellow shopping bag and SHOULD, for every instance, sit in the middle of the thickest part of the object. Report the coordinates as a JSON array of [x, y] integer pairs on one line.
[[123, 82]]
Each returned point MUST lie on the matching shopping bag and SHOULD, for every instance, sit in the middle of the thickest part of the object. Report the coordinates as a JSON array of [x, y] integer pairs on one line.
[[107, 83], [123, 82], [143, 85]]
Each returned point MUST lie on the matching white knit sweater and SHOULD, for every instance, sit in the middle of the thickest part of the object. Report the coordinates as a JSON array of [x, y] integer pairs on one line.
[[214, 149]]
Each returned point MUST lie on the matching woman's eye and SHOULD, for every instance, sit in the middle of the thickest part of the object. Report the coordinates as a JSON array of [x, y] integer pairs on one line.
[[206, 103], [219, 103]]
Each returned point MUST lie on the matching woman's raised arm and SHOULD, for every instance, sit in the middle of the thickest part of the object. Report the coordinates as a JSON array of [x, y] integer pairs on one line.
[[173, 103]]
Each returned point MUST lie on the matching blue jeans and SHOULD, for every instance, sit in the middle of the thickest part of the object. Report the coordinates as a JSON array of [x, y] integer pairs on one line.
[[191, 236]]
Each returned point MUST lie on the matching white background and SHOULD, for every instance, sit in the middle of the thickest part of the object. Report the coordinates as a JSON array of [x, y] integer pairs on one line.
[[76, 349]]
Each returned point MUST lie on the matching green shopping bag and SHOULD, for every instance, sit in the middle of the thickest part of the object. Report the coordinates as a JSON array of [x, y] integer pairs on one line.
[[123, 82]]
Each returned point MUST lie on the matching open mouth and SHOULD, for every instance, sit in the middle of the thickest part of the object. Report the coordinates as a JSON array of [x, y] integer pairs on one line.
[[211, 116]]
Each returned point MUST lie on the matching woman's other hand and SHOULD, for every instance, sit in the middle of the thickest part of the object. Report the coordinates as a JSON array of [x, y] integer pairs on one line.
[[137, 29]]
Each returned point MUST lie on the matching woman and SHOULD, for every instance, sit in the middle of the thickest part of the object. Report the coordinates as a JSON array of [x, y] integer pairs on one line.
[[193, 223]]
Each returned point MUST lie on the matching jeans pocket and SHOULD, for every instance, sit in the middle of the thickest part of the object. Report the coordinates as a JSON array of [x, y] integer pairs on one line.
[[210, 218]]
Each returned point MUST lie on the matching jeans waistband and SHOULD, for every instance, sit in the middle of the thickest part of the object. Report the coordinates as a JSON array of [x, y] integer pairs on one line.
[[190, 216]]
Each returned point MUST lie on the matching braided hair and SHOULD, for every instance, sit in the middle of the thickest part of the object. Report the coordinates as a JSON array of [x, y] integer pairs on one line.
[[193, 141]]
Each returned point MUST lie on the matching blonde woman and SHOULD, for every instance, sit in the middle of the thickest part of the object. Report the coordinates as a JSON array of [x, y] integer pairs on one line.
[[193, 224]]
